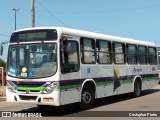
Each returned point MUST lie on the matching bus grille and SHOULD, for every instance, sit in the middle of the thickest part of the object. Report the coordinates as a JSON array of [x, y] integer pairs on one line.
[[29, 91], [28, 98]]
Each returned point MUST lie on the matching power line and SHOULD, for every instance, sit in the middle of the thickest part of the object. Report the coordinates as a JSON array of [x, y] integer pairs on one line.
[[42, 15], [53, 15], [108, 11], [4, 35]]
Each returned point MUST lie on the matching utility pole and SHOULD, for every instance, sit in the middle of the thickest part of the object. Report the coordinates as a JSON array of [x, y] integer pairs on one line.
[[33, 14]]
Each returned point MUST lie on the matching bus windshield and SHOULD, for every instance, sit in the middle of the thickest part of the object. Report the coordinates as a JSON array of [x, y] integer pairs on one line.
[[32, 60]]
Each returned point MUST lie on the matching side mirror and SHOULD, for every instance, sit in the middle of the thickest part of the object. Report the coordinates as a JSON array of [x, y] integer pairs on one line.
[[1, 51]]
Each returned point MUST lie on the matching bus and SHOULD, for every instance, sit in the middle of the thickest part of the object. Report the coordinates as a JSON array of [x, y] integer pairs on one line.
[[58, 66], [158, 51]]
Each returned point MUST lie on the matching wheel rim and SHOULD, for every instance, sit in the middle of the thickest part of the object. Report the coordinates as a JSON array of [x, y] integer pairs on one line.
[[86, 97]]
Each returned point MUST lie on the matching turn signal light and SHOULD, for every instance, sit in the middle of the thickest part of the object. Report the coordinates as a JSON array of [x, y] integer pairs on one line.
[[48, 99]]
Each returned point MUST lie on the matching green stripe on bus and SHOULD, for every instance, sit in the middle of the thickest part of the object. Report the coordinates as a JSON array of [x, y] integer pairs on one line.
[[104, 83], [31, 88], [68, 87], [126, 81], [150, 78]]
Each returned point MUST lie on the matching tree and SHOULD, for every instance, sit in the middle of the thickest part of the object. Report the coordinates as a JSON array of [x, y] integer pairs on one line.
[[3, 64]]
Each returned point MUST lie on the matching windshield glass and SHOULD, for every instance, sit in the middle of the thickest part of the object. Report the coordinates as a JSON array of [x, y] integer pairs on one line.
[[32, 60]]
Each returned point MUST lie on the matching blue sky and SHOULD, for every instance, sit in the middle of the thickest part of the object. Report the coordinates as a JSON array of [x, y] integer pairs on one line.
[[137, 19]]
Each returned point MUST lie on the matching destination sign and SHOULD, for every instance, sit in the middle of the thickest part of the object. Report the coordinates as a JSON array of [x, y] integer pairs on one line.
[[34, 35]]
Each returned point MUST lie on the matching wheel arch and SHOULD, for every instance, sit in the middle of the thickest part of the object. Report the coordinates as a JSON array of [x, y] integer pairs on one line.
[[91, 83], [135, 79]]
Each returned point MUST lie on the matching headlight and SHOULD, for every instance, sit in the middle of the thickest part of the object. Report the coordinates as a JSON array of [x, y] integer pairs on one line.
[[10, 88], [49, 89]]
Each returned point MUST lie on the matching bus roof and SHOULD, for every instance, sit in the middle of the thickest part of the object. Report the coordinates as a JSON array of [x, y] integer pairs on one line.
[[81, 33]]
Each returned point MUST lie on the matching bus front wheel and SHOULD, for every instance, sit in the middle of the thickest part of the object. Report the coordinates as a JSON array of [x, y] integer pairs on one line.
[[87, 97]]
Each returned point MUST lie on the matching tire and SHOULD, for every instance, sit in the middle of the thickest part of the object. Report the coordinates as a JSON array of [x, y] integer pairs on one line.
[[137, 88], [87, 97]]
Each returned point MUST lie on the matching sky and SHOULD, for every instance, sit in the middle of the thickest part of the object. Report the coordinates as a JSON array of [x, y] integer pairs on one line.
[[136, 19]]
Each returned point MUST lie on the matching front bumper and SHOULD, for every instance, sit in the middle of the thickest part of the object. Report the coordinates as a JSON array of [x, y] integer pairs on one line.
[[40, 99]]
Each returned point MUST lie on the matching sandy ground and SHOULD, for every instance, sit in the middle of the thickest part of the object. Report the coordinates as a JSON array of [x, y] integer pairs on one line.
[[2, 91]]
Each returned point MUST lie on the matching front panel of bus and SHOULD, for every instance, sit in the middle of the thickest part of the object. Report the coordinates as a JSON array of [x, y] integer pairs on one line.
[[33, 67]]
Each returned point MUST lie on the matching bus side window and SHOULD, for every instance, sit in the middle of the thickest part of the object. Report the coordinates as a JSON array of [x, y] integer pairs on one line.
[[142, 51], [88, 55], [119, 53], [152, 55], [131, 54], [69, 57], [103, 52]]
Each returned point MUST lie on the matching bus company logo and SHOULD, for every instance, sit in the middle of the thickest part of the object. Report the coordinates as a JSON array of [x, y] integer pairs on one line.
[[27, 91], [134, 70], [153, 69], [137, 70]]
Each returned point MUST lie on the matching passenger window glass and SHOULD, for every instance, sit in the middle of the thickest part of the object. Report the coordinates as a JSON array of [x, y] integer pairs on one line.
[[69, 59], [88, 45], [88, 51], [142, 54], [152, 56], [104, 51], [132, 54], [119, 50]]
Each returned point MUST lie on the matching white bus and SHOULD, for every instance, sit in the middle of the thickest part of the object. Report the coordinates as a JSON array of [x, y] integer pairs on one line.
[[158, 51], [58, 66]]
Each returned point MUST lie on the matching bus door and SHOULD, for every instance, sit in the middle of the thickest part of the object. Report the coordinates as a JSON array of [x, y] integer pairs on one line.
[[70, 70]]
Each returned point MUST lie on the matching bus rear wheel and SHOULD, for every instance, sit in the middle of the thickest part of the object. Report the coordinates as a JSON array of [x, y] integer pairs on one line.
[[87, 97], [137, 88]]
